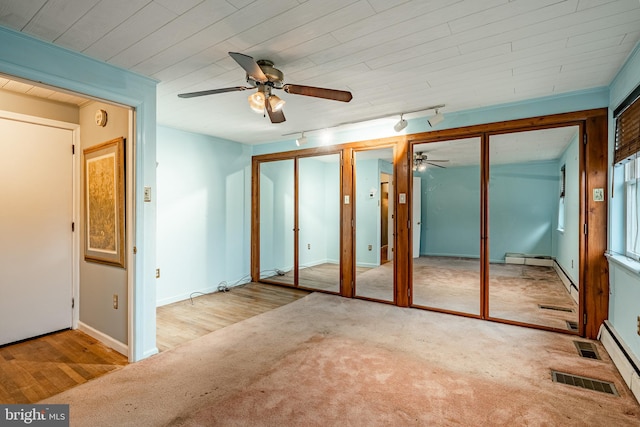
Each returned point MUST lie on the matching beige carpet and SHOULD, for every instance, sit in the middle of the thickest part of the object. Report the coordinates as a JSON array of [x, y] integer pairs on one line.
[[325, 360]]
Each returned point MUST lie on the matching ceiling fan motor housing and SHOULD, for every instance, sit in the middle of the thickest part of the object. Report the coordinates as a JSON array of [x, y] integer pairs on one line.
[[275, 76]]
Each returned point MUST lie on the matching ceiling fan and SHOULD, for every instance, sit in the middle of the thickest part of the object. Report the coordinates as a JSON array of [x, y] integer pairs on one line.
[[262, 75], [420, 162]]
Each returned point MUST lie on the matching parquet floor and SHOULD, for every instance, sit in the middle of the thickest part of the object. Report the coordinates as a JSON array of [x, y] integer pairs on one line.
[[42, 367]]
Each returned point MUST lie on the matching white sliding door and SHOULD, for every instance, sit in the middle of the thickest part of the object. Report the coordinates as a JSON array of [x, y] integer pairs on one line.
[[36, 244]]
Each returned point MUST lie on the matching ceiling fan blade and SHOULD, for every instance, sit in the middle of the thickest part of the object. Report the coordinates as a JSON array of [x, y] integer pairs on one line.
[[318, 92], [275, 116], [433, 164], [212, 91], [250, 66]]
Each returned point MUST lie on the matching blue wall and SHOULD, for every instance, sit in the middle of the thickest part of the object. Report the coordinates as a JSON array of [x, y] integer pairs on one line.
[[32, 59], [204, 203], [624, 282]]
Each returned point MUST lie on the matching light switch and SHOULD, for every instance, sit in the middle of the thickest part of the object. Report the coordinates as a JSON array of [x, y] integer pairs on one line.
[[403, 198], [346, 199], [147, 194], [598, 195]]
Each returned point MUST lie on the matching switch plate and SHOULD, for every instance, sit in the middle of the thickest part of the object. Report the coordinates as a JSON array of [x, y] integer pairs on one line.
[[115, 301], [402, 198], [346, 199], [157, 273], [370, 247], [598, 194], [147, 194]]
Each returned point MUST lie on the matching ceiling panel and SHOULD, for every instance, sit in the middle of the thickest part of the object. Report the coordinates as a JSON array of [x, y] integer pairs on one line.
[[393, 55]]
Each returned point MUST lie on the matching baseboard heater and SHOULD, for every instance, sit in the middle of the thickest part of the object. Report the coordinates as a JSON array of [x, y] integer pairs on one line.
[[624, 359], [526, 259]]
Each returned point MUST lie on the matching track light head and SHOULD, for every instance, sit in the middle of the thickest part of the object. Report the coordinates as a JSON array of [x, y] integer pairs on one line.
[[302, 140], [400, 125], [436, 119]]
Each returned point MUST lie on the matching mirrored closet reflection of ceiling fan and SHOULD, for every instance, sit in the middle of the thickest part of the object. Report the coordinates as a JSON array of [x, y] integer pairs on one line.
[[264, 77], [420, 162]]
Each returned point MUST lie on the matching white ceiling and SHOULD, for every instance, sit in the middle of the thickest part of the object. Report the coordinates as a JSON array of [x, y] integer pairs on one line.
[[393, 55]]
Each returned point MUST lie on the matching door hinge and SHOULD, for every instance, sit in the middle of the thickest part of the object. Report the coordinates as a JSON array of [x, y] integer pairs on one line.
[[73, 227], [409, 292], [73, 149], [584, 139], [135, 250], [584, 319], [585, 228], [73, 302], [409, 224]]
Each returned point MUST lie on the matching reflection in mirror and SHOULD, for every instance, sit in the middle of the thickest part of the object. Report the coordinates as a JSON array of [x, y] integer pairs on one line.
[[446, 225], [319, 222], [374, 247], [533, 227], [277, 221]]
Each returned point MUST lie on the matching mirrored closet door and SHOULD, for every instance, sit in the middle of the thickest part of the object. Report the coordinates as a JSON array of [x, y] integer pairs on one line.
[[534, 214], [446, 226], [374, 224]]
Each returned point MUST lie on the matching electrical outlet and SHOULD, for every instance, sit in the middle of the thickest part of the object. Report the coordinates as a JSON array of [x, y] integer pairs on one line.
[[308, 245], [370, 247], [157, 273], [638, 325], [115, 301]]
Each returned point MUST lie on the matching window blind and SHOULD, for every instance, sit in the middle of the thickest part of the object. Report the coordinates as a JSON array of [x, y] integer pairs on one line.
[[627, 132]]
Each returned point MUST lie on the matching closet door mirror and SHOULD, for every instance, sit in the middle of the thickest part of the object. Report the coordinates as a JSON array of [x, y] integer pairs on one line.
[[534, 214], [277, 219], [319, 222], [374, 224], [446, 225]]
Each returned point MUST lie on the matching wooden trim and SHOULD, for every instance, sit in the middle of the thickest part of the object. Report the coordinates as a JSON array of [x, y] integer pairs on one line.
[[255, 220], [347, 248], [595, 268], [296, 222], [447, 311], [485, 167], [402, 261], [532, 123]]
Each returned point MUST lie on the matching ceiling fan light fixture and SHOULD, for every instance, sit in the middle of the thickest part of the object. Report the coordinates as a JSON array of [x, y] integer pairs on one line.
[[302, 140], [439, 117], [400, 125], [256, 102], [276, 103]]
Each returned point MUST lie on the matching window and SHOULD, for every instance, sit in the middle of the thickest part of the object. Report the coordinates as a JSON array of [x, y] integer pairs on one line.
[[632, 197], [563, 183], [627, 150]]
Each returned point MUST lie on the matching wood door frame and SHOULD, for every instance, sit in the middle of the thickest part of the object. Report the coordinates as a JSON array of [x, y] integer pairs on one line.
[[593, 170], [594, 285]]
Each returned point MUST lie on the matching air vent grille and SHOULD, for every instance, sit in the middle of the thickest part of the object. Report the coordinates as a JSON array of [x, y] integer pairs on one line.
[[584, 382], [587, 349], [572, 326], [555, 307]]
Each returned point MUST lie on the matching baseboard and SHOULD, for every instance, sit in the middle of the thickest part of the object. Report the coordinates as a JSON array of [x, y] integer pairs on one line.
[[104, 339], [527, 259], [627, 364], [197, 292], [566, 281]]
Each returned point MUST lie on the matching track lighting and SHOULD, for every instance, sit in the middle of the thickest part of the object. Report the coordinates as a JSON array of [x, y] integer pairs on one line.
[[436, 119], [302, 140], [401, 124]]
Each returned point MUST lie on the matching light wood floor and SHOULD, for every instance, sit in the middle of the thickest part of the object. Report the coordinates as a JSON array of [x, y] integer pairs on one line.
[[189, 319], [42, 367], [35, 369]]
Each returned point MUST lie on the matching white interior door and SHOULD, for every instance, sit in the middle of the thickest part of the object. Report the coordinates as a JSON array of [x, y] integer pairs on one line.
[[417, 213], [36, 248]]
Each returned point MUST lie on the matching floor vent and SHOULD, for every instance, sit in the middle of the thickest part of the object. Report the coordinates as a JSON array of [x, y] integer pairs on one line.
[[555, 307], [587, 349], [584, 382], [572, 326]]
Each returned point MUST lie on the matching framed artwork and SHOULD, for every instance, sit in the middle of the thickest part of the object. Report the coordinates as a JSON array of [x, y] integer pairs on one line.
[[103, 170]]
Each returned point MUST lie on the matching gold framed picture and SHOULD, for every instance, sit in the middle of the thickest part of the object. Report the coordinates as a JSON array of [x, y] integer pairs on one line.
[[104, 198]]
